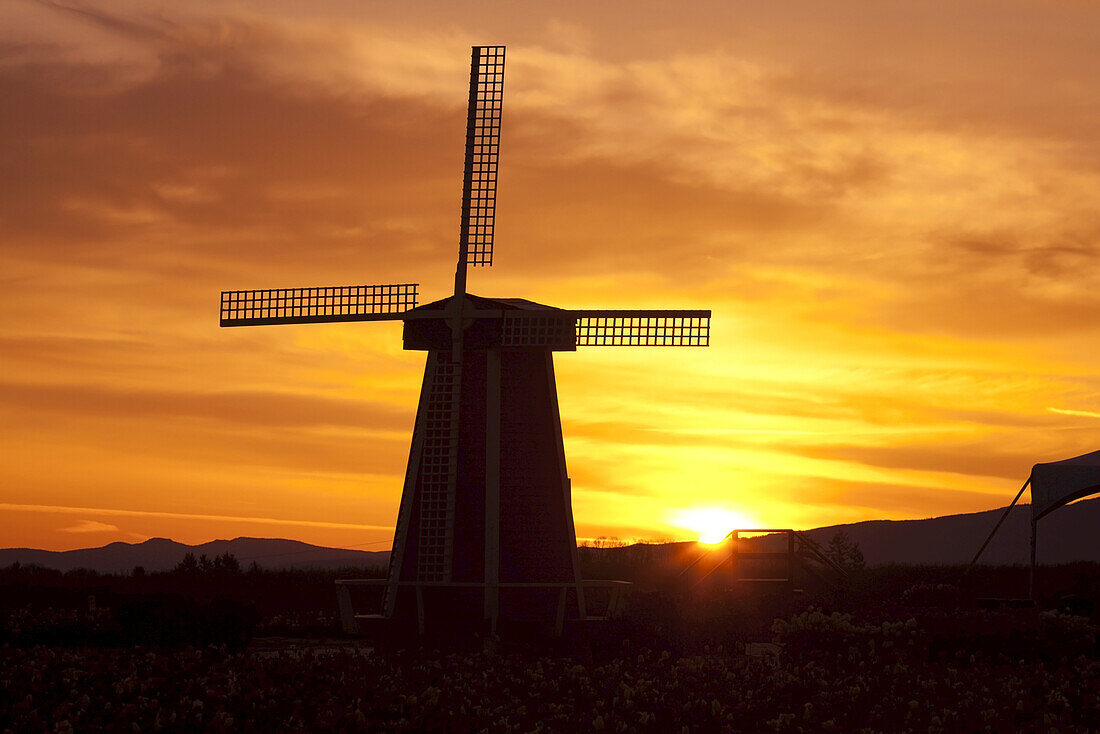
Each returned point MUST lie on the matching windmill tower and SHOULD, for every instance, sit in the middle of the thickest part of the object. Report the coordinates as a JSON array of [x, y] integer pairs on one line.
[[485, 526]]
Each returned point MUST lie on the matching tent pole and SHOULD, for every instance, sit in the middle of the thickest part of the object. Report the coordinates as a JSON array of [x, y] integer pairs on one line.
[[998, 525], [1031, 573]]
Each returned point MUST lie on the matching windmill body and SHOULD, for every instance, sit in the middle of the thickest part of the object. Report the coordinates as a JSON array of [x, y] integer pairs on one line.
[[485, 527], [498, 510]]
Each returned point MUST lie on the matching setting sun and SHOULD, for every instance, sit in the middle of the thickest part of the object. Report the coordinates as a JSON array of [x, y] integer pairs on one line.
[[712, 524]]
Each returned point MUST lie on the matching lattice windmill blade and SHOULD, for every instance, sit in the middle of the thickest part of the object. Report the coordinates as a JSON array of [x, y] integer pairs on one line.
[[624, 328], [318, 305], [568, 329], [479, 181]]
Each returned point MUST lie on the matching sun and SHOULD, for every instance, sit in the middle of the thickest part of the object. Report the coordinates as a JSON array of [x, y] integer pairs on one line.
[[712, 524]]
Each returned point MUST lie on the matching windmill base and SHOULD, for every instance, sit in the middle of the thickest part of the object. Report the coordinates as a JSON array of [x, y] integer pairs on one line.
[[455, 610]]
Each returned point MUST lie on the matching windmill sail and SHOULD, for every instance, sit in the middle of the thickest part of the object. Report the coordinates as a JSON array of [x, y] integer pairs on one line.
[[317, 305], [608, 328], [479, 182], [560, 329]]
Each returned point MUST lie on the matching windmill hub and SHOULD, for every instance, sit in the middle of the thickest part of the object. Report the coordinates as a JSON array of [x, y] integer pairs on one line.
[[485, 526]]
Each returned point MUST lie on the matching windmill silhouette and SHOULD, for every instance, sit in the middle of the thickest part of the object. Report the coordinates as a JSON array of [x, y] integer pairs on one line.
[[485, 525]]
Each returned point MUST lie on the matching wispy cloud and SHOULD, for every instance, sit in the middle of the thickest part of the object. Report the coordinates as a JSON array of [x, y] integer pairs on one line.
[[61, 509], [90, 526], [1081, 413]]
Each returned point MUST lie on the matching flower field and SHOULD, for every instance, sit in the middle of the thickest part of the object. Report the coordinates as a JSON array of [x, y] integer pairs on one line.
[[831, 673], [910, 649]]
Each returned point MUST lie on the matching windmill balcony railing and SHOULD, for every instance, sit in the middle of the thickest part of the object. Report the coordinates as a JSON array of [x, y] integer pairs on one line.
[[612, 591]]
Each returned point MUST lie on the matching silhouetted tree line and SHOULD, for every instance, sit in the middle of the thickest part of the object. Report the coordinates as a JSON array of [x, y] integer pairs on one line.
[[200, 601], [845, 553], [206, 600], [224, 564]]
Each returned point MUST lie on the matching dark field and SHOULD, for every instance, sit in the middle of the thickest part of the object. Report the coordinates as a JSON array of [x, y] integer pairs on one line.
[[893, 650]]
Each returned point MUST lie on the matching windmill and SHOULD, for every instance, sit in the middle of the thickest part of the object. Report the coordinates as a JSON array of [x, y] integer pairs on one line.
[[485, 525]]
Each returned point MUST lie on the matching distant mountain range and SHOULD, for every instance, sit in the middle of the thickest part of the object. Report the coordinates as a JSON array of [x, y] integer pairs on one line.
[[1069, 534], [161, 554]]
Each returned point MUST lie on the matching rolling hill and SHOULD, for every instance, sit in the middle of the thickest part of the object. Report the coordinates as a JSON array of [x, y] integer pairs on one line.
[[1069, 534], [1065, 535], [161, 554]]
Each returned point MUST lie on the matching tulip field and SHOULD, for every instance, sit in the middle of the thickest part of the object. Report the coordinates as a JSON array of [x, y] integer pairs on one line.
[[823, 672], [895, 649]]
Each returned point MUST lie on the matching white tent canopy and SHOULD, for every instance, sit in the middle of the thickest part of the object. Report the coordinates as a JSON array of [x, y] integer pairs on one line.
[[1061, 482], [1053, 485]]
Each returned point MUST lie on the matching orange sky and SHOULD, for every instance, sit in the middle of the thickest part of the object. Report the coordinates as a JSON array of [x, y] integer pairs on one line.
[[892, 208]]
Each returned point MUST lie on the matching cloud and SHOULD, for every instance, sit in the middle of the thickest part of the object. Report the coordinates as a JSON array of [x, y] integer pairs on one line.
[[59, 509], [89, 526], [248, 408], [1082, 413], [976, 459], [851, 500], [890, 208]]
